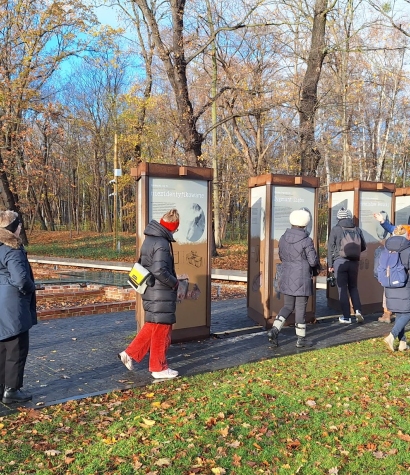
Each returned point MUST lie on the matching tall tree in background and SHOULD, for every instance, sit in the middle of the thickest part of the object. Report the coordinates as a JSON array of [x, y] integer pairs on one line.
[[36, 37], [309, 153]]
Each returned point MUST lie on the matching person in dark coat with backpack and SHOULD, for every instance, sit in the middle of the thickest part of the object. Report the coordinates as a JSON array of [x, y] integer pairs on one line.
[[18, 309], [343, 259], [159, 300], [398, 299], [299, 263]]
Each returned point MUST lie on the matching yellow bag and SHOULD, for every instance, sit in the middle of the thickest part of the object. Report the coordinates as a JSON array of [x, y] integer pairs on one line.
[[138, 278]]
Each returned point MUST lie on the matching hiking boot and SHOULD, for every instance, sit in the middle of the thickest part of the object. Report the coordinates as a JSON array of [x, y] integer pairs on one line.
[[303, 342], [127, 360], [403, 346], [15, 395], [165, 374], [359, 317], [345, 320], [273, 335], [389, 340], [385, 318]]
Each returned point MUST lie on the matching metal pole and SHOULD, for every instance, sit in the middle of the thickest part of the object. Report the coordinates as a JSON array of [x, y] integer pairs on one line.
[[115, 211]]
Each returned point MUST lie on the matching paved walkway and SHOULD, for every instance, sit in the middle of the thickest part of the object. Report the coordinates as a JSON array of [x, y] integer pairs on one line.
[[76, 357]]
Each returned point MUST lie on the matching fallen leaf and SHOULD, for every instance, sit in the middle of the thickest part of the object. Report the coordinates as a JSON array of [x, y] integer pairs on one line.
[[235, 444], [402, 436], [218, 471], [148, 422], [224, 432], [52, 453]]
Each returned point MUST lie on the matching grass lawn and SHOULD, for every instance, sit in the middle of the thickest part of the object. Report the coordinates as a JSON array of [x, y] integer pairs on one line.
[[91, 245], [342, 410]]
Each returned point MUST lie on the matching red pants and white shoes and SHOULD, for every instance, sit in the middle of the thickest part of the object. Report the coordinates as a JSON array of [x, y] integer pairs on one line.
[[155, 338]]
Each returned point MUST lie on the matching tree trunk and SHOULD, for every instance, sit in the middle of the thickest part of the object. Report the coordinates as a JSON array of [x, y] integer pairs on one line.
[[175, 65], [309, 153]]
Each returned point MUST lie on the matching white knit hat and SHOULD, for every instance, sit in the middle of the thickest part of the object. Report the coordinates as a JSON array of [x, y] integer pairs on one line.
[[299, 217], [344, 213]]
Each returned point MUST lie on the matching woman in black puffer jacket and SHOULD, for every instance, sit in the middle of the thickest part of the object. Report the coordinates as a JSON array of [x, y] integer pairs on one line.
[[18, 309], [159, 300], [299, 262]]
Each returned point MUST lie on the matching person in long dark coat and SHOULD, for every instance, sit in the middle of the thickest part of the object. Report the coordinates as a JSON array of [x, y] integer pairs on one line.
[[299, 262], [398, 299], [18, 309], [159, 300]]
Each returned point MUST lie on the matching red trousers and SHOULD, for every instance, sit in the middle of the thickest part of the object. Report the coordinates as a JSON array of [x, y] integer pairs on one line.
[[155, 338]]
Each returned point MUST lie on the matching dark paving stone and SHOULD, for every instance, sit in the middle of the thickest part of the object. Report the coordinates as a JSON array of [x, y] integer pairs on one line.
[[75, 357]]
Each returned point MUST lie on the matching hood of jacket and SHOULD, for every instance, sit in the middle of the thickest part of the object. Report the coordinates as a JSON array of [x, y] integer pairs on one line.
[[155, 229], [295, 235], [346, 223], [9, 239], [397, 243]]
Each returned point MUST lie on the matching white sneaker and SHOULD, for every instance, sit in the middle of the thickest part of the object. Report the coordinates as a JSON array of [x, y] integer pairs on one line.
[[165, 374], [345, 320], [127, 360], [389, 340], [403, 346], [359, 317]]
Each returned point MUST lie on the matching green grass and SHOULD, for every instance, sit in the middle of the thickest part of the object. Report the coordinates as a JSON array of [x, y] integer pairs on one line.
[[95, 247], [342, 410]]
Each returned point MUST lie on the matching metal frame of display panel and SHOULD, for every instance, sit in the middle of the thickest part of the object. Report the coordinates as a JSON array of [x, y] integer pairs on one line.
[[363, 198], [271, 199], [161, 187]]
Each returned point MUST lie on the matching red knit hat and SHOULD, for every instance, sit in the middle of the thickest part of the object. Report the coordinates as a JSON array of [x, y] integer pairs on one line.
[[171, 226]]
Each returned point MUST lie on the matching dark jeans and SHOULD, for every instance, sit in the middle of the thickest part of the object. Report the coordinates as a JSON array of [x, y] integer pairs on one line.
[[346, 273], [13, 356], [294, 303], [398, 330]]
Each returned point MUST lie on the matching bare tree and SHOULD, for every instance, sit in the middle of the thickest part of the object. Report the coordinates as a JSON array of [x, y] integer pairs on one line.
[[309, 152]]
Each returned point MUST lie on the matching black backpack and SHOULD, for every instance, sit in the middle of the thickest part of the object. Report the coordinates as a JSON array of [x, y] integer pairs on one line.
[[350, 244]]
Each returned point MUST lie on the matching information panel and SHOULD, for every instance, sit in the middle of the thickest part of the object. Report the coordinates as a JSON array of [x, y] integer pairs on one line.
[[402, 214], [190, 198], [257, 248], [287, 199], [363, 199], [258, 212], [341, 199]]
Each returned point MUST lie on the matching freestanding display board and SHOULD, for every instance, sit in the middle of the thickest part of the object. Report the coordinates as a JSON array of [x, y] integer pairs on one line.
[[402, 206], [188, 189], [363, 198], [271, 200]]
